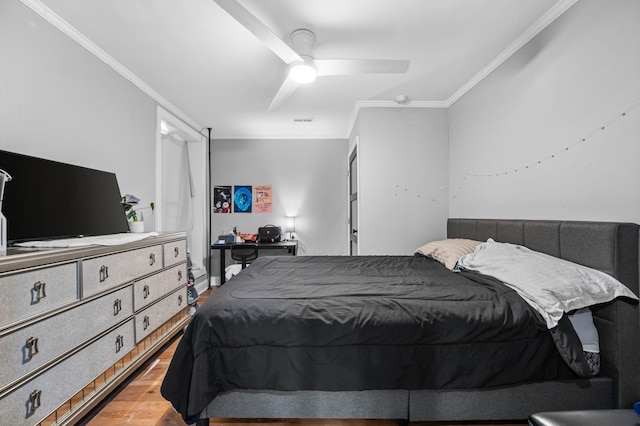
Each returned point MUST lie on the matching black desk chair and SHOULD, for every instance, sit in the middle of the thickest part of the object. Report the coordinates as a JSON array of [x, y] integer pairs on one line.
[[244, 253]]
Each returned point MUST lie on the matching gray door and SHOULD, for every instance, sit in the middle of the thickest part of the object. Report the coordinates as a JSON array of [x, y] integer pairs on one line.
[[353, 202]]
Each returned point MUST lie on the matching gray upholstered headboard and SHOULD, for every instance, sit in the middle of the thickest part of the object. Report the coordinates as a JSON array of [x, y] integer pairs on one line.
[[608, 246]]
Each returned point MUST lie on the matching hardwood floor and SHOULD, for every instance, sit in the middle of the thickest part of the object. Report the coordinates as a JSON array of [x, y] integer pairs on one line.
[[138, 402]]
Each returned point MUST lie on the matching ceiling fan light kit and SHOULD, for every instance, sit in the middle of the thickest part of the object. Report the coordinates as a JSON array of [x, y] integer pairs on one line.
[[302, 72]]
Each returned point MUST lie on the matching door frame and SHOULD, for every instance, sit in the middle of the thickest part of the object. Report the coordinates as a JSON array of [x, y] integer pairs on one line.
[[166, 122], [353, 236]]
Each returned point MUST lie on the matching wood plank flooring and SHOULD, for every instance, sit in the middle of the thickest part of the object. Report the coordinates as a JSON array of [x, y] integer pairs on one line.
[[138, 402]]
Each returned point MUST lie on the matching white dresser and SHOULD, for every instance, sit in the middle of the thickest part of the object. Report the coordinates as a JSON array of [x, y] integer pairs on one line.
[[74, 323]]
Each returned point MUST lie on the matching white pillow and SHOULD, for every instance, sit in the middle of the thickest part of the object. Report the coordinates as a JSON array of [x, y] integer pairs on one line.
[[550, 285]]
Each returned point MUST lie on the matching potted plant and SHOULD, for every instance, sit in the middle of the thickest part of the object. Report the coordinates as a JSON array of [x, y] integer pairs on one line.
[[134, 215]]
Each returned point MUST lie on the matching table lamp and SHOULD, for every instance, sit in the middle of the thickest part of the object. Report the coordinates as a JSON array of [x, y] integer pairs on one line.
[[290, 226]]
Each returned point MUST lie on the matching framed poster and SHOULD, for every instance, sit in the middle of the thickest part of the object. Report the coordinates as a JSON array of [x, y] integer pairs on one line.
[[262, 198], [222, 201], [242, 198]]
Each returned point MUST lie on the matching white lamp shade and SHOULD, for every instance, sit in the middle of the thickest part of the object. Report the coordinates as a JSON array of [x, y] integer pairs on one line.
[[290, 224]]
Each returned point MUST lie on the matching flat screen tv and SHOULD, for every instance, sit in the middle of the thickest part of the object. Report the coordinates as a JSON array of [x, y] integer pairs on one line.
[[51, 200]]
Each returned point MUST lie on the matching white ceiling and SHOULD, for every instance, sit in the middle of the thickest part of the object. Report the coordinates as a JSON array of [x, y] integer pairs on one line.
[[207, 68]]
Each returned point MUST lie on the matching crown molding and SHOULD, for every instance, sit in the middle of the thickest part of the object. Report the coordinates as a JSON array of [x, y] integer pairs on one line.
[[543, 22], [394, 104], [328, 136], [388, 104], [57, 21]]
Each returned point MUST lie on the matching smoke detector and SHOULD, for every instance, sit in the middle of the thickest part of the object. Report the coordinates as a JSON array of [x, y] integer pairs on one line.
[[402, 99]]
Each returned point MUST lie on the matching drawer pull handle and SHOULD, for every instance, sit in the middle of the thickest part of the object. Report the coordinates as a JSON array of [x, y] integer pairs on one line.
[[176, 252], [39, 290], [179, 274], [117, 306], [104, 273], [119, 342], [152, 259], [34, 401], [179, 300], [145, 291], [32, 346], [145, 322]]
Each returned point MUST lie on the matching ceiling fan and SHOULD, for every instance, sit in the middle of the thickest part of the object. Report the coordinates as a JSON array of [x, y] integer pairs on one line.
[[303, 67]]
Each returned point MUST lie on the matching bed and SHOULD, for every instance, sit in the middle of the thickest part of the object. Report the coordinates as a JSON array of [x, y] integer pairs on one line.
[[275, 342]]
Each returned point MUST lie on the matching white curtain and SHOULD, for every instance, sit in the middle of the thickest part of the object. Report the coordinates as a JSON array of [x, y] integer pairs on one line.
[[178, 190]]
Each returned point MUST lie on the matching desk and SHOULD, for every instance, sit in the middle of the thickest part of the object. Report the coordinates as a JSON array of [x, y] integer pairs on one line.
[[290, 246]]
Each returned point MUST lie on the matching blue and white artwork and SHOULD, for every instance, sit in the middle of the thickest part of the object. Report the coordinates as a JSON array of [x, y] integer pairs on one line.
[[242, 198]]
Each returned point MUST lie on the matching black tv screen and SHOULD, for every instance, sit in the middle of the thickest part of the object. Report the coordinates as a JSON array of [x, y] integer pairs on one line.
[[51, 200]]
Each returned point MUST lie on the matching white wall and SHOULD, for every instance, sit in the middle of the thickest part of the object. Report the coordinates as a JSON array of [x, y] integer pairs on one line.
[[579, 74], [309, 180], [59, 102], [403, 179]]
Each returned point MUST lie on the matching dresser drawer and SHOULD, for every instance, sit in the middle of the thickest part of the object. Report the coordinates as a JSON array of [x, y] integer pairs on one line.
[[155, 315], [36, 291], [175, 252], [105, 272], [36, 399], [154, 287], [30, 347]]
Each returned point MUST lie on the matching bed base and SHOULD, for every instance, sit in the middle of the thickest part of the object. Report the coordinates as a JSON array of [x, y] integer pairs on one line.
[[610, 247], [510, 402], [205, 422], [373, 404]]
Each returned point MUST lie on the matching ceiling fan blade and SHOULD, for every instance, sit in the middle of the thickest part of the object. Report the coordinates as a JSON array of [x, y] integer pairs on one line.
[[260, 30], [284, 93], [360, 66]]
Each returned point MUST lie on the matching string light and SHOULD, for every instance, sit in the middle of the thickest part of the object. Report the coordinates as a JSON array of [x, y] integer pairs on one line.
[[552, 156], [413, 192]]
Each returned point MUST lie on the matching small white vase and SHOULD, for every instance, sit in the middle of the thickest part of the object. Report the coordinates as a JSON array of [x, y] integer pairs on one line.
[[136, 226]]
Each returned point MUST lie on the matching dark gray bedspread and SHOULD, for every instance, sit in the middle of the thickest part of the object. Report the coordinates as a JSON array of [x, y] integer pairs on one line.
[[366, 322]]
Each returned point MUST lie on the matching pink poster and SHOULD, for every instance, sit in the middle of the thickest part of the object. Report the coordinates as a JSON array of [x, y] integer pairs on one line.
[[262, 198]]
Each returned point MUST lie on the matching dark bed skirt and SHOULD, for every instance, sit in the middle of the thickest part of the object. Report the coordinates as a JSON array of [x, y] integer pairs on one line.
[[374, 404], [503, 403], [511, 402]]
